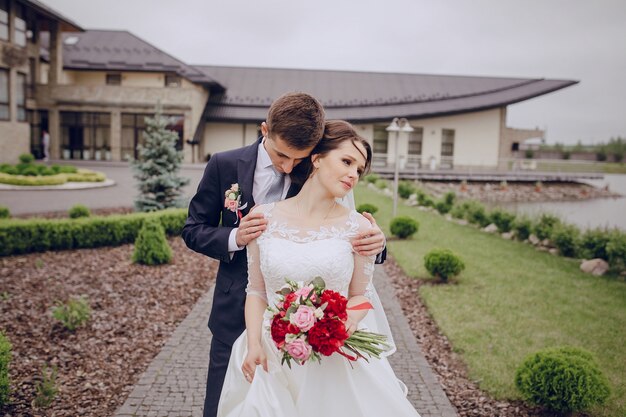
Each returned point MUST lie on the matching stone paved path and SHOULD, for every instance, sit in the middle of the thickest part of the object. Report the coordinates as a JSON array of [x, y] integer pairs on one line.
[[174, 383]]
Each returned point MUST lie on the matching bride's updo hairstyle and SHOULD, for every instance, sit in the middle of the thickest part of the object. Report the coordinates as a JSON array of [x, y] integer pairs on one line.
[[335, 133]]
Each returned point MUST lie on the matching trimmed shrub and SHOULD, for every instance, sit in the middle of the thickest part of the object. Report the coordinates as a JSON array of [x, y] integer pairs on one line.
[[151, 247], [503, 219], [424, 199], [562, 379], [593, 243], [567, 239], [19, 236], [85, 175], [5, 213], [475, 213], [442, 207], [449, 198], [616, 250], [78, 211], [26, 158], [458, 211], [381, 184], [405, 189], [73, 314], [442, 263], [12, 179], [64, 169], [545, 225], [371, 178], [366, 207], [403, 227], [5, 360], [523, 227]]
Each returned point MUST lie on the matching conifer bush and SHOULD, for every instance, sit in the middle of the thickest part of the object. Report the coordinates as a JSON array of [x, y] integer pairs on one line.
[[5, 213], [403, 227], [567, 239], [443, 207], [562, 379], [616, 250], [381, 184], [157, 167], [523, 227], [443, 264], [366, 207], [151, 247], [73, 314], [545, 225], [405, 189], [475, 213], [78, 211], [593, 243], [371, 178], [5, 360], [503, 219]]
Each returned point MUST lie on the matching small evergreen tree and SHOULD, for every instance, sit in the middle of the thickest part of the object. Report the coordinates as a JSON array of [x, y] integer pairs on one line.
[[157, 167], [151, 247]]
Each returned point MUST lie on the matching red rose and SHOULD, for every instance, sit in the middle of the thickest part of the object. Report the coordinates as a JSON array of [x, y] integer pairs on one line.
[[337, 305], [289, 298], [327, 336], [280, 328]]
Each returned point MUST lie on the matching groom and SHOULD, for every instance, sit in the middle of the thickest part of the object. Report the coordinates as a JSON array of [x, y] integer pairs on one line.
[[219, 225]]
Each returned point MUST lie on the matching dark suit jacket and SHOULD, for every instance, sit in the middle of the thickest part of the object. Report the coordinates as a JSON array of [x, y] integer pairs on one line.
[[208, 228]]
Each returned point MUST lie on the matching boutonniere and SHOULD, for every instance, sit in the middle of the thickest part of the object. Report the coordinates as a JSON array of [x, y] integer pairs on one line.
[[232, 201]]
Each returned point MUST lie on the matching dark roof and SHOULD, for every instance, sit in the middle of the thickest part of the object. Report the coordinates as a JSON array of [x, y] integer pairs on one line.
[[121, 51], [366, 96], [47, 13]]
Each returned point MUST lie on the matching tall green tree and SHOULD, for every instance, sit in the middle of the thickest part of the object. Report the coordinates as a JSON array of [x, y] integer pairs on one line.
[[157, 166]]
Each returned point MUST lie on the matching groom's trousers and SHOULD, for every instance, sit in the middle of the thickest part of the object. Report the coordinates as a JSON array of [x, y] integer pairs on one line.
[[218, 364]]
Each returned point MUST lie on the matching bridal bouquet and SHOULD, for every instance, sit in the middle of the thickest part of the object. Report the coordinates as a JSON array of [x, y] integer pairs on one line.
[[308, 321]]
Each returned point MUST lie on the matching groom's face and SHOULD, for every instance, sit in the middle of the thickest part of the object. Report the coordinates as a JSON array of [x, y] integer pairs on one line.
[[284, 158]]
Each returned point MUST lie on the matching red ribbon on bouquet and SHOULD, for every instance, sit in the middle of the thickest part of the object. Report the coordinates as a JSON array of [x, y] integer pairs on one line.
[[363, 306]]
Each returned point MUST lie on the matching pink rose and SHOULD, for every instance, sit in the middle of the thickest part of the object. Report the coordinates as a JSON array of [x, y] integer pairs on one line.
[[232, 205], [299, 349], [303, 317], [304, 292]]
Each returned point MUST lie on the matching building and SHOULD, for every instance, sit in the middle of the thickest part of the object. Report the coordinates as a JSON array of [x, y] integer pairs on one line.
[[92, 89]]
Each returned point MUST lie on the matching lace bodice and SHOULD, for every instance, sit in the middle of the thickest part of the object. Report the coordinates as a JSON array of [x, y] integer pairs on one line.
[[289, 249]]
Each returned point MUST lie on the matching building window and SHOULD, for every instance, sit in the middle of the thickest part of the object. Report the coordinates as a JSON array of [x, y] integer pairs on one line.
[[172, 80], [4, 95], [134, 126], [114, 79], [20, 97], [380, 139], [20, 26], [447, 142], [415, 141], [4, 20], [85, 135]]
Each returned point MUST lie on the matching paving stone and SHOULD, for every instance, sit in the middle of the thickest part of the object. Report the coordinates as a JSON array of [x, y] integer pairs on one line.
[[174, 383]]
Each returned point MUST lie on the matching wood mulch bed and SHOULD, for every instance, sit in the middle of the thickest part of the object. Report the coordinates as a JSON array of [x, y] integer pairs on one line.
[[134, 310]]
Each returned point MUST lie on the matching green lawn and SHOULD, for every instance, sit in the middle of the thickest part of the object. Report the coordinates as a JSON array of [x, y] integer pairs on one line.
[[512, 300]]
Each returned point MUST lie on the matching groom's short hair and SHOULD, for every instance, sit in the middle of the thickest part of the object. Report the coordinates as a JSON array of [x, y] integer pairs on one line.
[[298, 118]]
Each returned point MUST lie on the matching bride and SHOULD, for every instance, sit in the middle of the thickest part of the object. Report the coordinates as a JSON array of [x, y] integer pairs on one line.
[[307, 236]]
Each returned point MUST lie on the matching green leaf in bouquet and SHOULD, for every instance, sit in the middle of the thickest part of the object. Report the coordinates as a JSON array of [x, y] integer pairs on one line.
[[318, 283]]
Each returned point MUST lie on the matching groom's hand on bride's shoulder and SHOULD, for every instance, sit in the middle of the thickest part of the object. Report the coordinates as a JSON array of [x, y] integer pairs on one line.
[[250, 227], [371, 242]]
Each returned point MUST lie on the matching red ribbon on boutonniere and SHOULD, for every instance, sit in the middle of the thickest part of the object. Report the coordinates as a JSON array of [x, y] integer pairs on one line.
[[232, 201]]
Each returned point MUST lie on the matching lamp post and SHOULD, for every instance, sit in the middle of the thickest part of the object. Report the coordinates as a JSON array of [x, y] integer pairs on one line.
[[397, 125]]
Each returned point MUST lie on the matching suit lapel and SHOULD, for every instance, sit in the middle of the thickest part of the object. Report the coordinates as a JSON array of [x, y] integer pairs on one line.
[[293, 190], [245, 175]]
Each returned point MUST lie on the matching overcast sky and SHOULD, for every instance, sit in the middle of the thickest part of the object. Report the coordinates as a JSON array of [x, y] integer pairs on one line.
[[561, 39]]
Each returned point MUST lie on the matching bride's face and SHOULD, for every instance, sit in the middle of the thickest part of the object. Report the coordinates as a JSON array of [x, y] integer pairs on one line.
[[339, 170]]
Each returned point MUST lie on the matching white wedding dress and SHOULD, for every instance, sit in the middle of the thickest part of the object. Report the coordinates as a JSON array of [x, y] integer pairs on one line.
[[289, 248]]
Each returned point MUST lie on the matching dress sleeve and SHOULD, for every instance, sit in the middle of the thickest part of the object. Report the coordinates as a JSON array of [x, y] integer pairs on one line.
[[256, 284], [361, 283]]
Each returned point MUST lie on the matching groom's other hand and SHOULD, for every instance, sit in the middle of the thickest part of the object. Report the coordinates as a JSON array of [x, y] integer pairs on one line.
[[250, 227], [371, 242]]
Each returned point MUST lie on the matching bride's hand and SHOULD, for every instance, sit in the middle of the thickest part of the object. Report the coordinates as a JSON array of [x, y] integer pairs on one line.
[[371, 242], [351, 325], [256, 356]]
